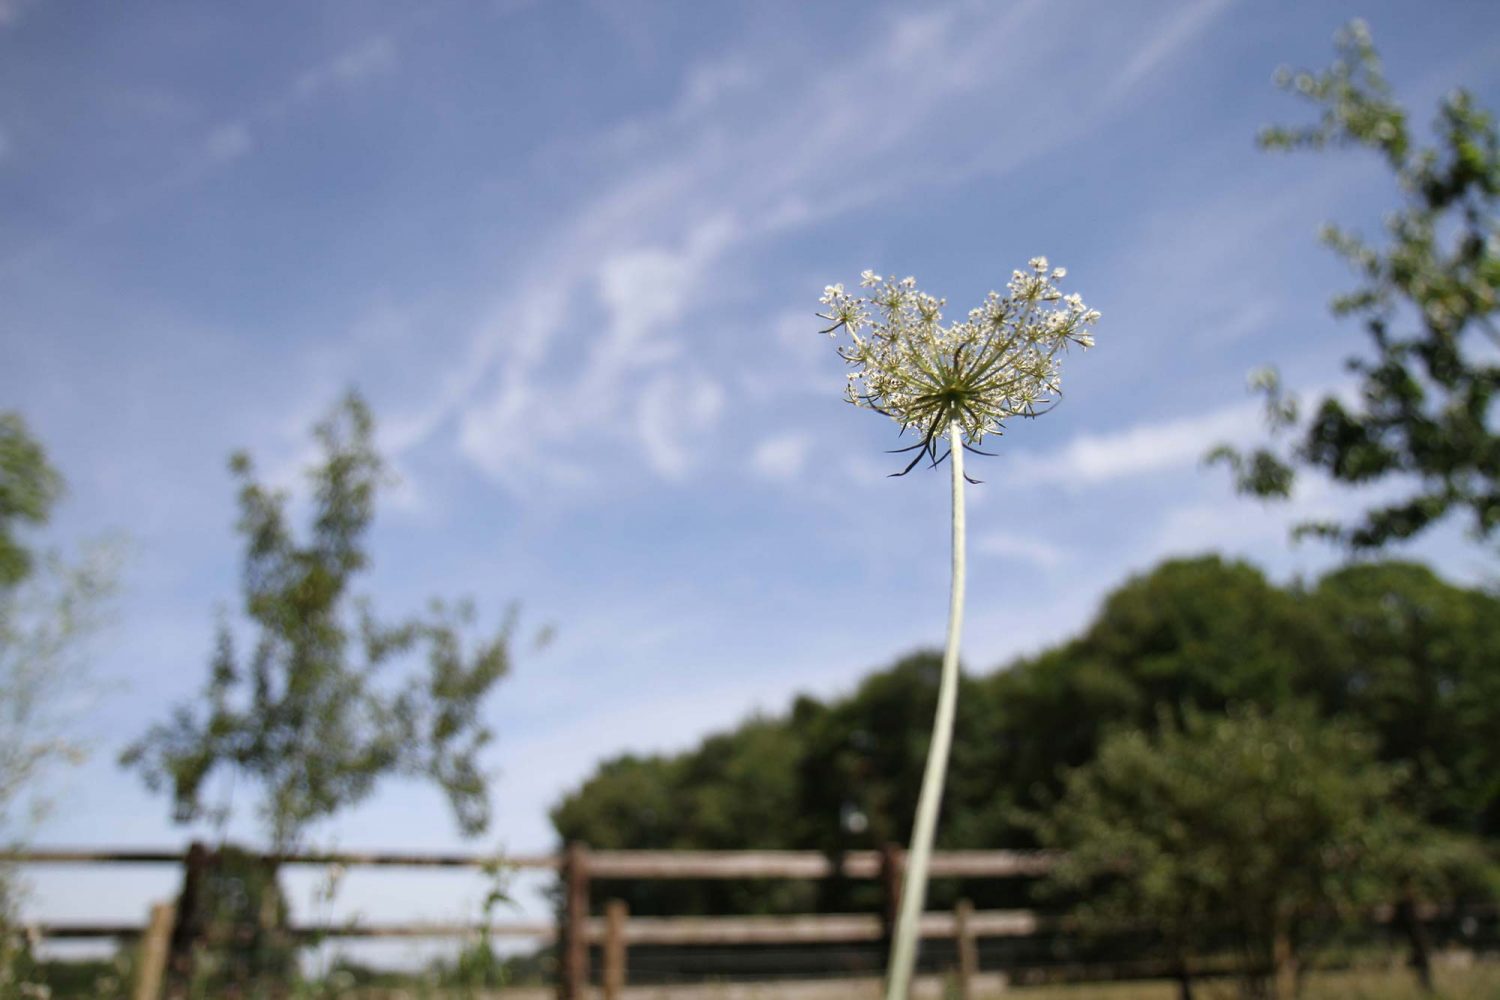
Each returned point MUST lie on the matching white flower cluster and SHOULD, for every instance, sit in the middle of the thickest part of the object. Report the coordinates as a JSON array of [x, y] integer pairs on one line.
[[1003, 361]]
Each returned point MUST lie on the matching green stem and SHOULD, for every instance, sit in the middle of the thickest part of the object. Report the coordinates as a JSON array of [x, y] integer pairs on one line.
[[914, 887]]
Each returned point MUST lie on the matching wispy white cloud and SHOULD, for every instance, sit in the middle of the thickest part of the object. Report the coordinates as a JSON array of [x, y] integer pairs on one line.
[[644, 290], [781, 458], [1021, 548], [674, 412], [1207, 526], [623, 366], [920, 36], [667, 721], [1241, 525], [351, 67], [710, 81], [346, 69], [640, 252], [11, 11], [227, 141], [1248, 320], [1151, 447], [1180, 28]]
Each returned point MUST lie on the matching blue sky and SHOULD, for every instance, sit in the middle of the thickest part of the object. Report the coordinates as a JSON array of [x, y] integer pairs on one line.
[[571, 254]]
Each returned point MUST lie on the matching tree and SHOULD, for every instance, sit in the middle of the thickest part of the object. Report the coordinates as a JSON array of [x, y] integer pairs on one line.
[[1414, 661], [1201, 633], [861, 766], [309, 715], [29, 487], [49, 606], [1388, 653], [736, 788], [1248, 828], [1390, 644], [1424, 417]]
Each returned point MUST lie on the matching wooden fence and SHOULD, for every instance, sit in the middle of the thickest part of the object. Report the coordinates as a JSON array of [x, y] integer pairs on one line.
[[576, 929]]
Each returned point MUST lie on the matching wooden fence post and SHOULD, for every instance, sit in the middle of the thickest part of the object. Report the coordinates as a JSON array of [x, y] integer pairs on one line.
[[153, 952], [573, 935], [892, 875], [968, 952], [616, 912]]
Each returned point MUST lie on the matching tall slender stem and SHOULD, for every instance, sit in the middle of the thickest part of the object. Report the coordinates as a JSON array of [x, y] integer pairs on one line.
[[914, 889]]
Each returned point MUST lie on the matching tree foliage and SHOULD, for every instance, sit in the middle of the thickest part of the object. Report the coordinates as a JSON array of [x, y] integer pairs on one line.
[[49, 606], [1416, 665], [309, 711], [1388, 646], [710, 799], [29, 486], [1423, 416], [1247, 827]]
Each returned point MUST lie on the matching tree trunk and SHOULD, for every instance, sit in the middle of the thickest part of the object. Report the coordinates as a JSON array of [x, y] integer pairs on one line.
[[187, 929], [1410, 921], [1184, 980], [1283, 966]]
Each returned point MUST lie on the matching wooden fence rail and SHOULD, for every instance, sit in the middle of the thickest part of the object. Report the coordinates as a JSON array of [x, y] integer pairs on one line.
[[825, 928], [605, 864], [577, 929], [349, 859]]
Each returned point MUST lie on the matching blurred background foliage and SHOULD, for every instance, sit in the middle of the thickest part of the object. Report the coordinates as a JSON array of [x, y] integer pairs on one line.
[[1230, 764], [1388, 648], [1234, 767], [1418, 412], [319, 711], [50, 605]]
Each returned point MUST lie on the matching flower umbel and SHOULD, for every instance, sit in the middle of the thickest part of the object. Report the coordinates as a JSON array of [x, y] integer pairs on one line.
[[1003, 361]]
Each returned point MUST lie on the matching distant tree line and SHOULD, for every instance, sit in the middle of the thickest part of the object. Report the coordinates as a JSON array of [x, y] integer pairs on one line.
[[1390, 647], [1369, 692]]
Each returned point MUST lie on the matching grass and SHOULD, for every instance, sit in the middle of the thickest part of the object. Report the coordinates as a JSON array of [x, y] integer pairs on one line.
[[1477, 982]]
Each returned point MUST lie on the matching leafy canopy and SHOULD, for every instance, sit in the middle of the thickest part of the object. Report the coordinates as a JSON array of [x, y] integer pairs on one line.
[[48, 608], [1423, 415], [29, 486], [308, 712], [1251, 826], [1404, 654]]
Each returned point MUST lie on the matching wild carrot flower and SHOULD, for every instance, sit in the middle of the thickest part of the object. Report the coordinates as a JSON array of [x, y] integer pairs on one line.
[[954, 384], [1002, 362]]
